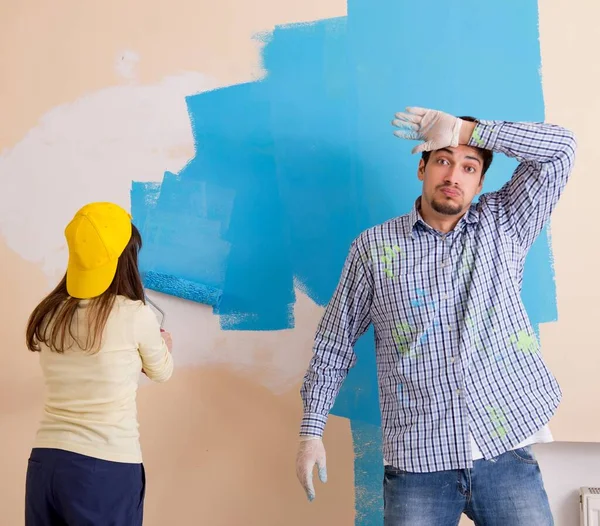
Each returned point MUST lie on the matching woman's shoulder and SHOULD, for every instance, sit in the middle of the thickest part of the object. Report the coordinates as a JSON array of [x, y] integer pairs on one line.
[[123, 301], [136, 309], [136, 314], [130, 308]]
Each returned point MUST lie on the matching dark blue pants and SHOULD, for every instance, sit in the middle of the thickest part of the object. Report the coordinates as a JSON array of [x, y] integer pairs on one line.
[[68, 489]]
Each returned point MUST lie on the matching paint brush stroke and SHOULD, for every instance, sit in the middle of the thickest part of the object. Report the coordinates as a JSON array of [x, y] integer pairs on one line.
[[309, 155]]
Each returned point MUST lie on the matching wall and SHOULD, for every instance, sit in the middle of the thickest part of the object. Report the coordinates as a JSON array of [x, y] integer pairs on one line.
[[109, 101]]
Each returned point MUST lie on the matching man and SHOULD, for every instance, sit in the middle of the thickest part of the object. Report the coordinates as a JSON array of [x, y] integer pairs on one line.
[[464, 391]]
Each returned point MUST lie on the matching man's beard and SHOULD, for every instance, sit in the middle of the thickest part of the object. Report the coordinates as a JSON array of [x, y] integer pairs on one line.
[[447, 208]]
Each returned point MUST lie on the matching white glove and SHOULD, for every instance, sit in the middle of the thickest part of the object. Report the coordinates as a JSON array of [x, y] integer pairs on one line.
[[310, 452], [436, 128]]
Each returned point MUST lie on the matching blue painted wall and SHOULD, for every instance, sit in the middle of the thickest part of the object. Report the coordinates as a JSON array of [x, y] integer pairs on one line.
[[290, 169]]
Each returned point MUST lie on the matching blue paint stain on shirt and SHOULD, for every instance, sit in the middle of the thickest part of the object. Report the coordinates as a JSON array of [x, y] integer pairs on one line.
[[290, 169]]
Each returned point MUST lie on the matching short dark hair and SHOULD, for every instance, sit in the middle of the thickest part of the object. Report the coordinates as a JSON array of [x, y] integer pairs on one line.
[[486, 155]]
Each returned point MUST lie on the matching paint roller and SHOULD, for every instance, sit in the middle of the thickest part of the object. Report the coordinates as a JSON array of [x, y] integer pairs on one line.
[[182, 288], [160, 311], [162, 316]]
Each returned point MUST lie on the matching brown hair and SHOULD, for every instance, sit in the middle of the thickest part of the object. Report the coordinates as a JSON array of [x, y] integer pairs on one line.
[[51, 322], [486, 155]]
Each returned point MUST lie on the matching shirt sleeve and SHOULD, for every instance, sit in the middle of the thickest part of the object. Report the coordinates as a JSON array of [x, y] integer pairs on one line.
[[546, 155], [346, 318], [157, 361]]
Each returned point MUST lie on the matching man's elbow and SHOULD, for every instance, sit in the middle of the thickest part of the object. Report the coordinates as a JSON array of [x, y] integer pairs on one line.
[[570, 141], [567, 151]]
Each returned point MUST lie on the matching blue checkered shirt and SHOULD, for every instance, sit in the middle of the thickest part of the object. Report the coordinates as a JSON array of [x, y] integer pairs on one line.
[[456, 352]]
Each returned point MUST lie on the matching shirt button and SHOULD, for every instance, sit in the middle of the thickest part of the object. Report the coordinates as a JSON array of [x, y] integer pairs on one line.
[[444, 296], [459, 392], [452, 360]]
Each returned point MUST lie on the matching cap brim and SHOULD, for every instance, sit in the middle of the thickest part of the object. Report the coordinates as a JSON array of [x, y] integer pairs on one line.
[[84, 284]]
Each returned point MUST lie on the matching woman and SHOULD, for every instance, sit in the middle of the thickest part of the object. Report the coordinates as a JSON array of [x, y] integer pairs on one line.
[[94, 334]]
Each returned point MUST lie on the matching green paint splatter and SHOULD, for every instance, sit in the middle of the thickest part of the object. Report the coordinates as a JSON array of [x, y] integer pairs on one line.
[[402, 337], [392, 250], [524, 342], [498, 420], [477, 138], [390, 253]]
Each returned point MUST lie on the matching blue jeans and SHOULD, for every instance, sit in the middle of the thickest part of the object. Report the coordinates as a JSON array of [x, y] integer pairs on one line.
[[503, 491], [64, 489]]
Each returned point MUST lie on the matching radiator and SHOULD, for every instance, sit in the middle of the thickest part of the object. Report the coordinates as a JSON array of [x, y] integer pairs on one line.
[[589, 511]]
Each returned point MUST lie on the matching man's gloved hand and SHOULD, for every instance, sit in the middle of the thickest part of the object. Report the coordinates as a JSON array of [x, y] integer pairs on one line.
[[436, 128], [311, 451]]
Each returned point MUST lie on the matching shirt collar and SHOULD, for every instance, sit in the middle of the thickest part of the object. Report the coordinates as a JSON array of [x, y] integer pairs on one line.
[[414, 217]]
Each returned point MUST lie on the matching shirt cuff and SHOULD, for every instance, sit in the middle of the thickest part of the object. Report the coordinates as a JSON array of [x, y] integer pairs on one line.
[[313, 424], [485, 134]]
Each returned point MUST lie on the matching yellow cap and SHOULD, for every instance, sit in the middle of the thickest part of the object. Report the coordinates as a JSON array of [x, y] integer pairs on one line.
[[96, 237]]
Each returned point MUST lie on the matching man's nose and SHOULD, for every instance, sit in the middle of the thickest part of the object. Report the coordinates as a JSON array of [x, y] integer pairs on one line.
[[452, 175]]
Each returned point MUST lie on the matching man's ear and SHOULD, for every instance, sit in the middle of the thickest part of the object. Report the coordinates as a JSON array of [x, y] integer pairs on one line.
[[421, 170]]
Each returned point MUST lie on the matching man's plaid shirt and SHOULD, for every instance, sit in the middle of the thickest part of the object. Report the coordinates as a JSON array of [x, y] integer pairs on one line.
[[456, 352]]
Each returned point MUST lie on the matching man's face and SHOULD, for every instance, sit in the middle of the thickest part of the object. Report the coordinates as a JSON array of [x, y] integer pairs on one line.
[[451, 179]]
